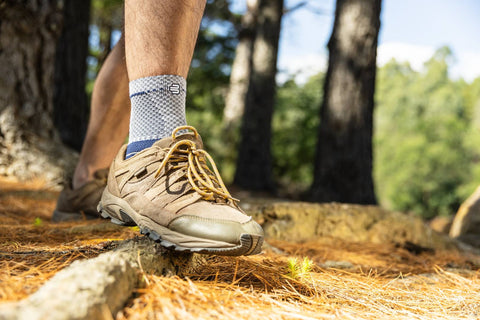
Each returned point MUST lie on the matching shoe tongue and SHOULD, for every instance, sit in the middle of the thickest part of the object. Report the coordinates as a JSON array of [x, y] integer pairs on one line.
[[163, 143], [168, 141], [188, 136]]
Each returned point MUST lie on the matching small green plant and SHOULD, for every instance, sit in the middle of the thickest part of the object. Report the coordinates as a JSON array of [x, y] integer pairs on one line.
[[299, 270], [37, 222]]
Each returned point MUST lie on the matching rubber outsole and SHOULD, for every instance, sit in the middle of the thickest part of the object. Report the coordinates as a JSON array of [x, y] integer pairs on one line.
[[249, 244]]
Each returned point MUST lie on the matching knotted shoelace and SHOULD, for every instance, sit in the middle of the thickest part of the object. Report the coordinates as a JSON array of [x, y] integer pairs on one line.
[[185, 154]]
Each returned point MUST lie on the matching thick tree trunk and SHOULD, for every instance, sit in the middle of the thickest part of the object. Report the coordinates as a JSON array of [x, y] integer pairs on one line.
[[241, 68], [70, 98], [343, 166], [29, 143], [254, 167]]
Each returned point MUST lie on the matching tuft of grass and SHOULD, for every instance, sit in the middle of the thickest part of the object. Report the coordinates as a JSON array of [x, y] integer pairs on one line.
[[299, 270], [37, 222]]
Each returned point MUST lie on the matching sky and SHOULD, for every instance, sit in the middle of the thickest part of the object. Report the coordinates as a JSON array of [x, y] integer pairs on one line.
[[411, 30]]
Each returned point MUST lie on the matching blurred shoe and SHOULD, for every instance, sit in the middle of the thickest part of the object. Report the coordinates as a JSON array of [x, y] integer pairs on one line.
[[81, 203], [169, 191]]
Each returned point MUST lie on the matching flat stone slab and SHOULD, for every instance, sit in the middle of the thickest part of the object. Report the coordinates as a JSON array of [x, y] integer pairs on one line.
[[302, 221]]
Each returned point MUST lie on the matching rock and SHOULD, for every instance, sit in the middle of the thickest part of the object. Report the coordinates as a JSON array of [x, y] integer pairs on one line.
[[466, 224], [300, 221], [98, 288], [441, 224]]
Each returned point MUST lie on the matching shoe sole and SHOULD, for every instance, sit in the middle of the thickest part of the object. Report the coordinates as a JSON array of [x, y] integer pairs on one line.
[[121, 213]]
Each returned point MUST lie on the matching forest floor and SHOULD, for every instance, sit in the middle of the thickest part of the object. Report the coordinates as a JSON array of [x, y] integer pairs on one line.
[[322, 279]]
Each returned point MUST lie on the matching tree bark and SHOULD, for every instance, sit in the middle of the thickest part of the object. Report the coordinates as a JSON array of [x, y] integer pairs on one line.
[[29, 143], [343, 165], [254, 167], [70, 99], [241, 68]]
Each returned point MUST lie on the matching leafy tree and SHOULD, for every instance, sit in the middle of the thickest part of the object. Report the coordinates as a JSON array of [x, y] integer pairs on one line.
[[295, 125], [107, 17], [426, 145]]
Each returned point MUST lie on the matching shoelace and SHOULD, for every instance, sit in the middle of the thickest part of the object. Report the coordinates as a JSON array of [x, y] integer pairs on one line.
[[185, 154]]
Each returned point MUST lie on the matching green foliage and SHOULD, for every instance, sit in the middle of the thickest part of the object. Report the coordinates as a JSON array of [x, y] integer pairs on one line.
[[426, 145], [107, 10], [295, 128], [37, 222], [106, 18]]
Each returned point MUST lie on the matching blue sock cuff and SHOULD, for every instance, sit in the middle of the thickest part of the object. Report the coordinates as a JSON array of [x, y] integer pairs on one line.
[[137, 146]]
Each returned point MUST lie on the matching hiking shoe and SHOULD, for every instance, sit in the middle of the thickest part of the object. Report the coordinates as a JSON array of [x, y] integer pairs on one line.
[[176, 199], [81, 203]]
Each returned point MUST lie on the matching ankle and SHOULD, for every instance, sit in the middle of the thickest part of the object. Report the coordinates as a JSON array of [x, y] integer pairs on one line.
[[158, 107]]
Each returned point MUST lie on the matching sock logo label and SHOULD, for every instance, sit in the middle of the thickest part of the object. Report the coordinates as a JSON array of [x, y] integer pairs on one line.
[[174, 88]]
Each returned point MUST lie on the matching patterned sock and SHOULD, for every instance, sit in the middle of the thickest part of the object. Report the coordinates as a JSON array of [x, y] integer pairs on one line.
[[158, 107]]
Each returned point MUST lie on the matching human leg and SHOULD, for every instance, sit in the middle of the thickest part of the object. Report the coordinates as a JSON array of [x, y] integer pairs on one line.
[[107, 130], [109, 117], [167, 187], [160, 38]]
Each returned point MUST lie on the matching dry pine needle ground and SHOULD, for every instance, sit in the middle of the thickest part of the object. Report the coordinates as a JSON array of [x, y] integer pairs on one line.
[[32, 249], [345, 280], [260, 288]]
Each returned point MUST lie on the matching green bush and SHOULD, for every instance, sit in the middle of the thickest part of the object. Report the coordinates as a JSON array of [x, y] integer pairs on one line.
[[295, 130], [426, 144]]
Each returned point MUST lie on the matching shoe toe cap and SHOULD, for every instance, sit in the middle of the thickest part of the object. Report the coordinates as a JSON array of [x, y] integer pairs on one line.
[[215, 229]]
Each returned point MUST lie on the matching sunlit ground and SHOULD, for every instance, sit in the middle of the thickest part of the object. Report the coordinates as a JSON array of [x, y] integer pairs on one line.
[[329, 279]]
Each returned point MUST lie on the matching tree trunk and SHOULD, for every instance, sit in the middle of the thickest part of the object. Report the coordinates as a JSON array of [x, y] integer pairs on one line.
[[254, 167], [241, 68], [70, 99], [29, 143], [343, 165]]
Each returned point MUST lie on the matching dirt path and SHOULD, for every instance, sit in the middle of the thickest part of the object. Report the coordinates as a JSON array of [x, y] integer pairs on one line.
[[325, 278]]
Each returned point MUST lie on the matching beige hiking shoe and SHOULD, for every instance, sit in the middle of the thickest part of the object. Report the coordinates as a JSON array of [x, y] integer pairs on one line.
[[81, 203], [170, 192]]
